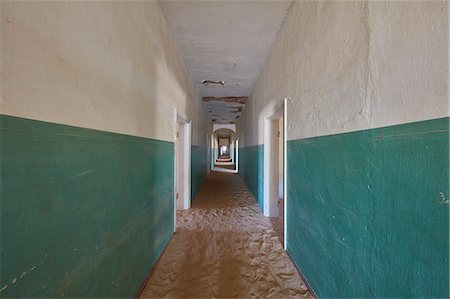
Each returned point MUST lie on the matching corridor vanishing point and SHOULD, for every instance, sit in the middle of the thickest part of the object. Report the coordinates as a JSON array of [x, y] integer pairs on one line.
[[224, 149]]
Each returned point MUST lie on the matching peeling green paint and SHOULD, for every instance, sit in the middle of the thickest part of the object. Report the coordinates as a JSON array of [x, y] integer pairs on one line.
[[365, 212], [84, 213], [251, 169], [198, 168]]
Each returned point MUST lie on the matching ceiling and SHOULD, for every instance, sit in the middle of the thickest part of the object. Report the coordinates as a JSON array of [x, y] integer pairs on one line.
[[224, 133], [225, 41]]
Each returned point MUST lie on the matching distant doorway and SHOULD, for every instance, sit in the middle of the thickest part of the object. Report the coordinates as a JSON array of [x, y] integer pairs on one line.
[[274, 169], [182, 163], [225, 149]]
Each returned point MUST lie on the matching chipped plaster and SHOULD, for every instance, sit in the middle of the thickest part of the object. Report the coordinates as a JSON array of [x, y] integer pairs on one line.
[[225, 41], [225, 109]]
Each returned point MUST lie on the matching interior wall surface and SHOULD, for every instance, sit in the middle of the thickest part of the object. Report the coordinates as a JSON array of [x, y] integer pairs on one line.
[[202, 128], [199, 168], [367, 150], [87, 155]]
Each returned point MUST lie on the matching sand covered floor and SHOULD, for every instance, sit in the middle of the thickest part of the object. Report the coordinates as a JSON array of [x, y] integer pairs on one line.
[[224, 247]]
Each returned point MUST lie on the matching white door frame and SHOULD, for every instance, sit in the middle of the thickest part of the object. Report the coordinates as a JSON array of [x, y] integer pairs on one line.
[[237, 155], [280, 110], [183, 123]]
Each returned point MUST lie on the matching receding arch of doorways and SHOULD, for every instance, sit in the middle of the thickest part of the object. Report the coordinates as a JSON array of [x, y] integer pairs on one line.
[[224, 148], [224, 152]]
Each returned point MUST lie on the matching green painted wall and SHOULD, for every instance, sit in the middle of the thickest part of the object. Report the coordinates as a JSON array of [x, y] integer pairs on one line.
[[251, 169], [84, 213], [368, 211], [198, 168]]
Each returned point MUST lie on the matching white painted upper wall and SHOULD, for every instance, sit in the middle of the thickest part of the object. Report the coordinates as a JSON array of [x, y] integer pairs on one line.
[[349, 66], [112, 66]]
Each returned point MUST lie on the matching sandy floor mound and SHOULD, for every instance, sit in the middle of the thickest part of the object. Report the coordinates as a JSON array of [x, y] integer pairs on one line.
[[224, 247]]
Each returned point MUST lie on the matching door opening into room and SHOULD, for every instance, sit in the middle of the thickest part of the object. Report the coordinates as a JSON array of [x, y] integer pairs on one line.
[[274, 169], [182, 163]]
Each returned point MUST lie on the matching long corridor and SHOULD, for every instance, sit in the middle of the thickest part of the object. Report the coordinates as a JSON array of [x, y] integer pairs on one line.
[[224, 247]]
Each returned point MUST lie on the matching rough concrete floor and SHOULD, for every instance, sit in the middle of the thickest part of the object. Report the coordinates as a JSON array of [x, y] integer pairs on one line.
[[224, 247]]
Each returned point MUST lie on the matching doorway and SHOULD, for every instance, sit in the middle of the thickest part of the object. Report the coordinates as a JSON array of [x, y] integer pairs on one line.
[[182, 163], [225, 150], [275, 169]]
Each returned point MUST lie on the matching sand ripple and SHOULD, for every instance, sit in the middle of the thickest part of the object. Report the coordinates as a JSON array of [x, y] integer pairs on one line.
[[224, 247]]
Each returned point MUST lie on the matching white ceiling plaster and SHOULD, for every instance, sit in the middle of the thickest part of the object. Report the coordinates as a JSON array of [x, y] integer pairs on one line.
[[225, 40], [224, 133]]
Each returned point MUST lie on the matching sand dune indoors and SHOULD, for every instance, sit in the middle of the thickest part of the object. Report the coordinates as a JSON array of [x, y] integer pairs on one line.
[[224, 247]]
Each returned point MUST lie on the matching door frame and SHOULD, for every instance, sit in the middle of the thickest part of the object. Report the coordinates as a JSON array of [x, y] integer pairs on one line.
[[237, 154], [182, 122], [277, 112]]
